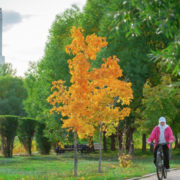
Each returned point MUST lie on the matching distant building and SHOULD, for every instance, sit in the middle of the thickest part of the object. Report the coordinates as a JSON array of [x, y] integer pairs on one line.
[[2, 58]]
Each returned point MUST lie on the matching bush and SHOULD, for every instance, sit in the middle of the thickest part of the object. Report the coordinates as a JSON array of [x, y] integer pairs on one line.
[[26, 130], [43, 143], [8, 128], [125, 160]]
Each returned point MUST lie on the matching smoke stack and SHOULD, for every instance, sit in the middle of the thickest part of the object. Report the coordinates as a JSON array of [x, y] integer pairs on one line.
[[2, 59]]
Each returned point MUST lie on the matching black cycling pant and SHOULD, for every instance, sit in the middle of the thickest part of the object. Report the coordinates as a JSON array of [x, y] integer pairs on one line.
[[166, 155]]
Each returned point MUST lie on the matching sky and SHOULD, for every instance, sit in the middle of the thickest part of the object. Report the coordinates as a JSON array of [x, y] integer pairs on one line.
[[26, 25]]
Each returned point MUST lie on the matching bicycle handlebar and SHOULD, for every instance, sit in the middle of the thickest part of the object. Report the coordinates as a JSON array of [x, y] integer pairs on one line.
[[152, 143]]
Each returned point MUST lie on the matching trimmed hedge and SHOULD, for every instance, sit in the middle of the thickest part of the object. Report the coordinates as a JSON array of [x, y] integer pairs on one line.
[[43, 143], [8, 129], [26, 130]]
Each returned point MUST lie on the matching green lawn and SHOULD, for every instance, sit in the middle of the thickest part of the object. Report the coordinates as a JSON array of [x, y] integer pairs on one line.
[[61, 166]]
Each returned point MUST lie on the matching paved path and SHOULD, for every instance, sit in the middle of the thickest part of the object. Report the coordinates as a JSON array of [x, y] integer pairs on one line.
[[172, 175]]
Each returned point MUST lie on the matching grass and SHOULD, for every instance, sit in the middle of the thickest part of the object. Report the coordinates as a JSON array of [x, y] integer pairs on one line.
[[61, 167]]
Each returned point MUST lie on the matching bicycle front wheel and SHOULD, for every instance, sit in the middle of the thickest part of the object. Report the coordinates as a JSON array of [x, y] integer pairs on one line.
[[159, 166], [165, 173]]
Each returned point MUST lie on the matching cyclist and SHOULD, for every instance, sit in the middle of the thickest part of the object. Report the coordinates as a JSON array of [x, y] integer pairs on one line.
[[162, 134]]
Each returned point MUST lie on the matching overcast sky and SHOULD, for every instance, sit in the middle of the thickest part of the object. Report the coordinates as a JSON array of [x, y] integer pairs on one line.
[[25, 28]]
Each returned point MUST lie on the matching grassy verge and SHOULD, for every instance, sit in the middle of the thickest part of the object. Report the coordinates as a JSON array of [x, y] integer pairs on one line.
[[61, 167]]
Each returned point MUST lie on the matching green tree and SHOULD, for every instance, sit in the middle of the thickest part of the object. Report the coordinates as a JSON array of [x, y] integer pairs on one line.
[[6, 69], [160, 100], [31, 85], [92, 15], [12, 94], [152, 19]]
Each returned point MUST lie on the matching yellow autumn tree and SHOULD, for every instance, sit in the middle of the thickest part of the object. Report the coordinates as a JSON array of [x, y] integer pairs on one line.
[[72, 102], [88, 101]]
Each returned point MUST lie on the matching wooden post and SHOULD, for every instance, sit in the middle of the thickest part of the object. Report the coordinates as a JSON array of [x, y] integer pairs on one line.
[[75, 154], [100, 152]]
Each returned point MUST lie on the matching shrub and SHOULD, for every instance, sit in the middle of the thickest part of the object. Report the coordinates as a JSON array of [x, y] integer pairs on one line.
[[125, 160]]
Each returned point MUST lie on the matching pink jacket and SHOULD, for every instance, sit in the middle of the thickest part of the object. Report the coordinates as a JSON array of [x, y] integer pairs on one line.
[[168, 134]]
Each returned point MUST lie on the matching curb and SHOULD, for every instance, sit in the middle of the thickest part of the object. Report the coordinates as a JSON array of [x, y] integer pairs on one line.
[[148, 175]]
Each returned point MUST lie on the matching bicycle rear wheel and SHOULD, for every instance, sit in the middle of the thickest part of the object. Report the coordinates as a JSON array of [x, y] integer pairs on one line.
[[159, 166]]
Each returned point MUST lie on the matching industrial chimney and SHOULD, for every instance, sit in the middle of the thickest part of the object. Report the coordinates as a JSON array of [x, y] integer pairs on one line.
[[2, 58]]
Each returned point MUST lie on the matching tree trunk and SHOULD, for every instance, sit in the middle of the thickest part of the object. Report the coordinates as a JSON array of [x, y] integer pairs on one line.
[[7, 147], [131, 142], [119, 140], [144, 143], [104, 141], [113, 142], [100, 152], [29, 143], [11, 151], [128, 139], [29, 147], [75, 154], [176, 141]]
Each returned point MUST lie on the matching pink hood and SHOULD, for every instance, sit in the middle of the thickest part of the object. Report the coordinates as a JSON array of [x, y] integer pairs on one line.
[[168, 134]]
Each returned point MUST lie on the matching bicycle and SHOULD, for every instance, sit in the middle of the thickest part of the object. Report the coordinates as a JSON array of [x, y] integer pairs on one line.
[[160, 169]]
